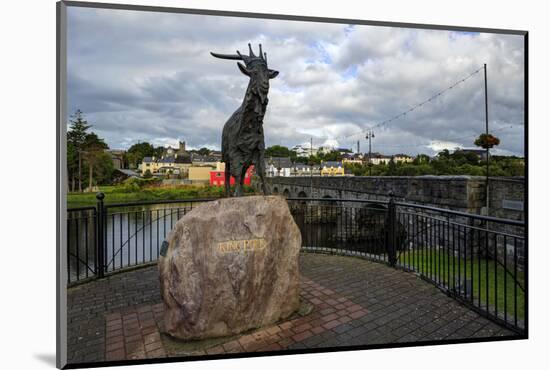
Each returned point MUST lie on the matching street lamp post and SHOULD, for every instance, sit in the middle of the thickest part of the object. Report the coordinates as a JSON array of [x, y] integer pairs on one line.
[[486, 149], [370, 135]]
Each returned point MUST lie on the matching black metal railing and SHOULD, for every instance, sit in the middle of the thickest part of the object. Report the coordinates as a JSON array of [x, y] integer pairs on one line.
[[112, 237], [475, 259]]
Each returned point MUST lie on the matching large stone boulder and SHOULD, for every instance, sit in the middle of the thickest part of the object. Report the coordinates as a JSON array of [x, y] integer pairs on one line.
[[230, 265]]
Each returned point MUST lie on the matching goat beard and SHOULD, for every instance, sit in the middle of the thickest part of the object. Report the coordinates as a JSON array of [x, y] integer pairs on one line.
[[261, 103]]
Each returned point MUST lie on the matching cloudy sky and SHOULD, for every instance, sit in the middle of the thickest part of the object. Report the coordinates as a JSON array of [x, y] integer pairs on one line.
[[144, 76]]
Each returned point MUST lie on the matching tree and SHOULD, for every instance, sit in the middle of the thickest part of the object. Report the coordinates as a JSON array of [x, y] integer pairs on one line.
[[293, 156], [392, 168], [277, 151], [203, 151], [147, 174], [444, 154], [331, 156], [94, 150], [421, 158], [72, 165], [103, 169], [76, 139], [137, 152]]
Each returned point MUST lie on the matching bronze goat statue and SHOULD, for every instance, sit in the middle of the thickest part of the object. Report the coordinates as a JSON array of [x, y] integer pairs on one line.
[[243, 134]]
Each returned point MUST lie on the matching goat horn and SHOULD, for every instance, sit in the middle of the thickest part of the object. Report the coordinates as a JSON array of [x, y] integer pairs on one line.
[[227, 56], [265, 57], [250, 52], [261, 54]]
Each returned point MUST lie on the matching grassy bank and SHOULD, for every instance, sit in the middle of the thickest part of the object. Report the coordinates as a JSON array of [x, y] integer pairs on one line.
[[492, 285], [123, 194]]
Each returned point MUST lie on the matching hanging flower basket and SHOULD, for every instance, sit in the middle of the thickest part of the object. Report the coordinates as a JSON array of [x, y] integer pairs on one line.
[[487, 141]]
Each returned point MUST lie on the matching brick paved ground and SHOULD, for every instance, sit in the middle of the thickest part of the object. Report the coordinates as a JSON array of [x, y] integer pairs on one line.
[[351, 301]]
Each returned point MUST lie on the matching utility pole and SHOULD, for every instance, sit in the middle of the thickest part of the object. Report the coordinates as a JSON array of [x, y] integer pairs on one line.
[[370, 135], [487, 148], [311, 167]]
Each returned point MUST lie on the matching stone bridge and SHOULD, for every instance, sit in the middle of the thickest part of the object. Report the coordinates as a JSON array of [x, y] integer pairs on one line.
[[460, 193]]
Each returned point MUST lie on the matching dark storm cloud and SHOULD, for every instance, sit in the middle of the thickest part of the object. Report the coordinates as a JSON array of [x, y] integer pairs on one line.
[[143, 76]]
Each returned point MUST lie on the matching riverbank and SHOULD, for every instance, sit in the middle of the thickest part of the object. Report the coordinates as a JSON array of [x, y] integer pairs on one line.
[[121, 194]]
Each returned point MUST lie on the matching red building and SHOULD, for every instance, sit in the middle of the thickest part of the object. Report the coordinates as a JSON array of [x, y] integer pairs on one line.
[[217, 178]]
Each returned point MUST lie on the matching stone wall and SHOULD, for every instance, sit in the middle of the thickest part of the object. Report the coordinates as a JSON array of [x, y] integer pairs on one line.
[[460, 193], [506, 198]]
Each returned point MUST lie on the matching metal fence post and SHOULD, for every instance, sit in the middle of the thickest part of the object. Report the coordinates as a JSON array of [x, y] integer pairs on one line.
[[100, 237], [391, 240]]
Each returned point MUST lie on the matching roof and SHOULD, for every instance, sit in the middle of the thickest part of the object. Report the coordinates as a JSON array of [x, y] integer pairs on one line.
[[280, 162], [352, 156], [332, 164], [301, 166], [147, 159], [129, 173], [166, 160], [182, 158], [204, 158]]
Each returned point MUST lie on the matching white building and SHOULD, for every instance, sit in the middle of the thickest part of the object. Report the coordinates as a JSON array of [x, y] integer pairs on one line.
[[278, 166], [303, 150]]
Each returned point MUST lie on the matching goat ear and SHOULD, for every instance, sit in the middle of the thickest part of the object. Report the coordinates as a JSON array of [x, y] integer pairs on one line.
[[273, 73], [243, 69]]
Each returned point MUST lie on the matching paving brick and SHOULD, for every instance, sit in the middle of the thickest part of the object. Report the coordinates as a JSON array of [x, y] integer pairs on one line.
[[354, 308], [273, 330], [272, 347], [158, 353], [153, 346], [301, 328], [345, 319], [151, 338], [303, 335], [357, 314], [215, 350], [286, 325], [285, 342], [115, 355], [331, 324], [232, 346], [317, 329], [369, 303], [113, 346], [133, 338], [315, 301], [254, 346], [246, 339]]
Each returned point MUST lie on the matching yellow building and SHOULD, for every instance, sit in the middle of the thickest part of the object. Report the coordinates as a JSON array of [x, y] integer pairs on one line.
[[177, 165], [148, 163], [200, 174], [331, 168]]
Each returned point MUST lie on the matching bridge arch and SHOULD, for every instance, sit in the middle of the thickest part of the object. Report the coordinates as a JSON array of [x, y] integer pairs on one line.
[[275, 190], [286, 193], [302, 194]]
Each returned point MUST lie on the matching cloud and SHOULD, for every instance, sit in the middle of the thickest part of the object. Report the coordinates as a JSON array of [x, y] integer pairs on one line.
[[145, 76]]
